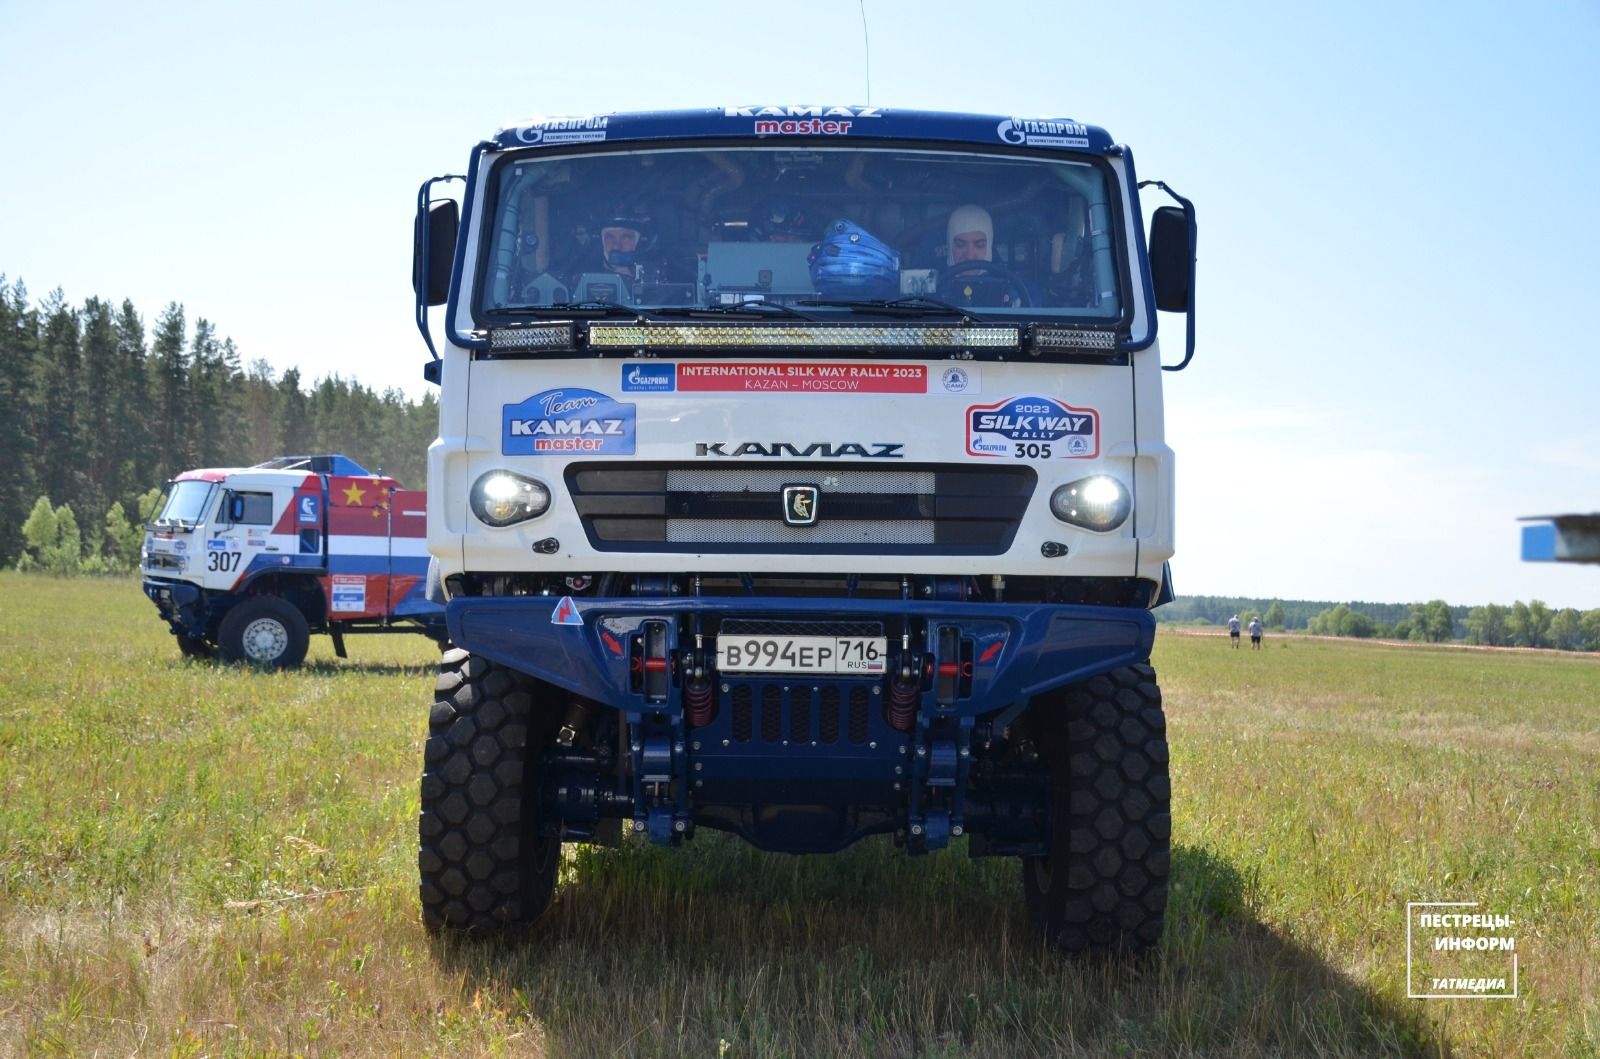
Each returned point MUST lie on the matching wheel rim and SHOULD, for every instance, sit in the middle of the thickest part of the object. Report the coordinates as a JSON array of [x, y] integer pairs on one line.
[[265, 640]]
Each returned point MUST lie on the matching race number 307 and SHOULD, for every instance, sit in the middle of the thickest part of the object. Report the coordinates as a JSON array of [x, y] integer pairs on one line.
[[223, 562]]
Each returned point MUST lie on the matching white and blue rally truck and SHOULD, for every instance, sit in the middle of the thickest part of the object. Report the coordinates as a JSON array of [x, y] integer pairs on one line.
[[801, 475], [248, 562]]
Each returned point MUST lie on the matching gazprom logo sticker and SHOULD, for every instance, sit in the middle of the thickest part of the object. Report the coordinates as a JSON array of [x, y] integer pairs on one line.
[[568, 421], [650, 378], [1043, 132], [1033, 428]]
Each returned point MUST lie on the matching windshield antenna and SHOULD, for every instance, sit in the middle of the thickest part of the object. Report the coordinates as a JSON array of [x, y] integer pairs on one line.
[[866, 46]]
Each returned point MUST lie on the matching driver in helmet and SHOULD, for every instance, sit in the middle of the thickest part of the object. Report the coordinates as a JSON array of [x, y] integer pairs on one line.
[[970, 276], [624, 238], [969, 235]]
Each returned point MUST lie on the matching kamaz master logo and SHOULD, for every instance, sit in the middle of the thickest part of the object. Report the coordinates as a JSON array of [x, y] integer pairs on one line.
[[563, 421], [826, 450]]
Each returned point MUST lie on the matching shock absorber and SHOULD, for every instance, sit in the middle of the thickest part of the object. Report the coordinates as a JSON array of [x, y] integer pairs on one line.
[[699, 702], [902, 705], [905, 687]]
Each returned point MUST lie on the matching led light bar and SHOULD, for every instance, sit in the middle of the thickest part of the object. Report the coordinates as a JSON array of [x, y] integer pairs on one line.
[[789, 336], [1072, 340], [538, 336]]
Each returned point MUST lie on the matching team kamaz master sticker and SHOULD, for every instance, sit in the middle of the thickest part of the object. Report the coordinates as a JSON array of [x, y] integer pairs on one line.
[[568, 420], [1033, 428]]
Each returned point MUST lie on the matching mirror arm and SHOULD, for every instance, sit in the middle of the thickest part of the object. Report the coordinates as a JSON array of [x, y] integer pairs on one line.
[[424, 199], [1188, 213]]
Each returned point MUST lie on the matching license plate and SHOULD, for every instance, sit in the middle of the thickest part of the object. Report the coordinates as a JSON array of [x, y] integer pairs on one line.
[[852, 655]]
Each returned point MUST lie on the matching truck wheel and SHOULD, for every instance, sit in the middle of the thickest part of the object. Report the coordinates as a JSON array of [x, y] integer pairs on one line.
[[483, 865], [1103, 885], [192, 646], [264, 631]]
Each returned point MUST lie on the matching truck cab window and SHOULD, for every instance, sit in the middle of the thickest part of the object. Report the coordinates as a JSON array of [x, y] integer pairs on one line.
[[252, 509]]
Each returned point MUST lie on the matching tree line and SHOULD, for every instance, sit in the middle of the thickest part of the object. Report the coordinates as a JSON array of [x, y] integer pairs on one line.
[[95, 410], [1531, 624]]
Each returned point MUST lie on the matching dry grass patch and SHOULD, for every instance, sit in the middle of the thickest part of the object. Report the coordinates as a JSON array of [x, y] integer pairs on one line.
[[201, 860]]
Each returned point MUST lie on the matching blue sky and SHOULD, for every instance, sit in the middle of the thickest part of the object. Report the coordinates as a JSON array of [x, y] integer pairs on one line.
[[1395, 359]]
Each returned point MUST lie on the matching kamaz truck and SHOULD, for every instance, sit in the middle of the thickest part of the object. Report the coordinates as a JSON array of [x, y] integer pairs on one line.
[[800, 475], [249, 561]]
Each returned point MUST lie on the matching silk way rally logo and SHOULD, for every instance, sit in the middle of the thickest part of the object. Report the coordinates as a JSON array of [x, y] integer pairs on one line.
[[1033, 428], [567, 421]]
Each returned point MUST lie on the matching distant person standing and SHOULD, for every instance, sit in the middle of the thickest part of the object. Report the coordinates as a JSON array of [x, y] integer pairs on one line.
[[1233, 631], [1255, 634]]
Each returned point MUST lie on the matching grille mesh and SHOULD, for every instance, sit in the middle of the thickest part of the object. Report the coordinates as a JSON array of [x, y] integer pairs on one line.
[[758, 480], [858, 714], [828, 722], [757, 531], [743, 699], [771, 714], [800, 715], [920, 509]]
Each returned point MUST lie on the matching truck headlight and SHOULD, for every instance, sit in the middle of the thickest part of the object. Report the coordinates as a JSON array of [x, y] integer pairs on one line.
[[1098, 503], [501, 498]]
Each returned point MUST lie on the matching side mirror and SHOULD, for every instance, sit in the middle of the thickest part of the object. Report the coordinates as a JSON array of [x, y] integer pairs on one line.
[[434, 250], [1171, 259], [235, 507]]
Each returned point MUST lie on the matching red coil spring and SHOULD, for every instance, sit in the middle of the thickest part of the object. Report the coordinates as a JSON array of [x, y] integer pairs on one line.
[[699, 704], [902, 705]]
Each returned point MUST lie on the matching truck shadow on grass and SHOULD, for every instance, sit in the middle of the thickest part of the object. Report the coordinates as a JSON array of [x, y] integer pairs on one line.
[[871, 953]]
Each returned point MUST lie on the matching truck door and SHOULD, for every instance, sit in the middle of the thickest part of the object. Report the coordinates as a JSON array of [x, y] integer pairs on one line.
[[238, 534]]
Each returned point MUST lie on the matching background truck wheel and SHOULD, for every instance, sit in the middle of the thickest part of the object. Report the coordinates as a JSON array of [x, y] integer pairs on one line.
[[264, 631], [1103, 887], [483, 866], [193, 646]]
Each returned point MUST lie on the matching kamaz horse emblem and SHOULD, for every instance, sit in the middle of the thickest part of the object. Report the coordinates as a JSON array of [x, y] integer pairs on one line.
[[800, 505]]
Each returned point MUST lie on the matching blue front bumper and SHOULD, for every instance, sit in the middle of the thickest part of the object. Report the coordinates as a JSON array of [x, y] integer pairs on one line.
[[1018, 650], [182, 604], [802, 762]]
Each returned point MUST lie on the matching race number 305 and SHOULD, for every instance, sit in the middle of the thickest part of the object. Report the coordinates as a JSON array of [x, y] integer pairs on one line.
[[856, 655]]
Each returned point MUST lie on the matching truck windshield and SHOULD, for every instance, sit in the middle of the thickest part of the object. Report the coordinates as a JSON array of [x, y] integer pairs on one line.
[[184, 505], [827, 230]]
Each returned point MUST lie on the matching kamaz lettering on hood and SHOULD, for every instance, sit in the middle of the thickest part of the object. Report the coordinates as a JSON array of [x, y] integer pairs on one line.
[[827, 450]]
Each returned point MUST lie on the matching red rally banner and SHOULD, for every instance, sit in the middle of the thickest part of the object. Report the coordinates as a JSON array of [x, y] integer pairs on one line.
[[809, 377]]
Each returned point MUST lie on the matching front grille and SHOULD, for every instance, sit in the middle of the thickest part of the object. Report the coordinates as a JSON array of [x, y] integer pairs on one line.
[[911, 510], [778, 712]]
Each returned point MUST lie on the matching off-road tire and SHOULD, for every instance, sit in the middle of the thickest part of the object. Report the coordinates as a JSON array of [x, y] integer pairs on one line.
[[484, 868], [193, 646], [1103, 886], [246, 619]]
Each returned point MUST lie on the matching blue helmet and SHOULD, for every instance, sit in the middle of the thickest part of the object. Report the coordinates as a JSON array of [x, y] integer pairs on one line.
[[852, 261]]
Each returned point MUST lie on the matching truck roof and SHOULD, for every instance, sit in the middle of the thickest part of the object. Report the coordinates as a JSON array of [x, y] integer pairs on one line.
[[284, 468], [811, 122]]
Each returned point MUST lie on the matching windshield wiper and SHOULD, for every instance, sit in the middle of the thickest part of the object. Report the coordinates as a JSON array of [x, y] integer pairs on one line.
[[752, 309], [913, 305], [574, 309]]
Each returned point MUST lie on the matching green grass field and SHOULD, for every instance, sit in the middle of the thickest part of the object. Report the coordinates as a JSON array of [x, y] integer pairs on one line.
[[204, 860]]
